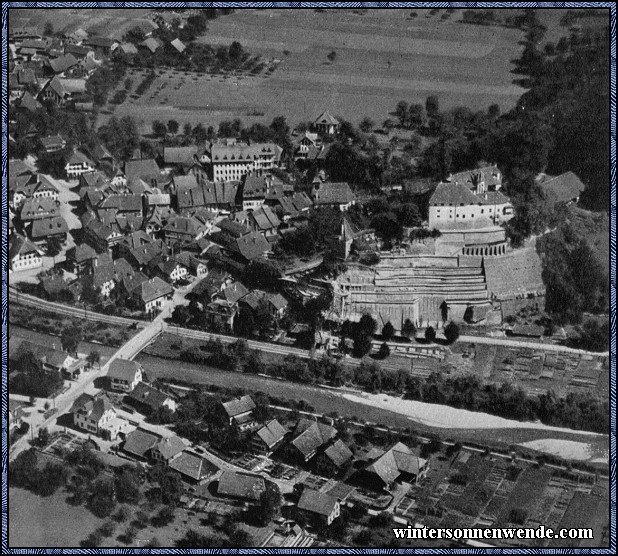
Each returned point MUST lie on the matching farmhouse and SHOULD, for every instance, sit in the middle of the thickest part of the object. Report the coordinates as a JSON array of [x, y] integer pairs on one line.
[[243, 486], [240, 413], [147, 398], [268, 438]]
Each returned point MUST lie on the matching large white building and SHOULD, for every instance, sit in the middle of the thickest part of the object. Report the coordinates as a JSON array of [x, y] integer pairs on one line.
[[455, 206], [230, 160]]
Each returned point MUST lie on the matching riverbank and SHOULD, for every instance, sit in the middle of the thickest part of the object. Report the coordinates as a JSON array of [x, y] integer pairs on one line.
[[350, 405]]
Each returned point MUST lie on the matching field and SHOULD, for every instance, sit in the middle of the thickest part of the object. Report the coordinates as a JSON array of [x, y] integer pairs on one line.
[[381, 58]]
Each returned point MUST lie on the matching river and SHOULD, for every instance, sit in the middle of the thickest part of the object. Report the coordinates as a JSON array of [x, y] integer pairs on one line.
[[326, 401]]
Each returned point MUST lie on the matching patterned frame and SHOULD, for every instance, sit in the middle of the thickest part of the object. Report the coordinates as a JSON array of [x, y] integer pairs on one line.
[[612, 8]]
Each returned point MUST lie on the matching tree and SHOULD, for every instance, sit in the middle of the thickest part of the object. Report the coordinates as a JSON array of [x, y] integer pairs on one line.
[[159, 129], [121, 137], [186, 129], [384, 351], [54, 246], [416, 116], [70, 337], [94, 357], [408, 329], [451, 332], [402, 112], [173, 126], [388, 331], [430, 334], [366, 125], [367, 325], [270, 503], [332, 56], [362, 345], [48, 29], [43, 437], [127, 485], [432, 106]]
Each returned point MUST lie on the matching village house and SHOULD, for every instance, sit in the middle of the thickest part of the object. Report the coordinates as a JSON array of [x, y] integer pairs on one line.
[[78, 164], [100, 236], [124, 375], [253, 191], [333, 194], [96, 415], [105, 277], [275, 304], [45, 189], [101, 45], [220, 314], [318, 507], [63, 92], [53, 143], [39, 208], [268, 438], [140, 442], [44, 229], [23, 254], [195, 266], [326, 124], [171, 271], [180, 158], [147, 170], [183, 230], [15, 415], [146, 399], [220, 196], [265, 221], [240, 413], [193, 468], [242, 486], [304, 144], [334, 459], [82, 259], [152, 294], [565, 188]]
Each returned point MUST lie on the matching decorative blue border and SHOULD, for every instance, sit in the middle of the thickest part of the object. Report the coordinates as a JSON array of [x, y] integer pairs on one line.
[[610, 5]]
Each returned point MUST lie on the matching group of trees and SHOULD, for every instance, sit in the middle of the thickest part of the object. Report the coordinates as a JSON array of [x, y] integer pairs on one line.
[[575, 280], [576, 410], [31, 379]]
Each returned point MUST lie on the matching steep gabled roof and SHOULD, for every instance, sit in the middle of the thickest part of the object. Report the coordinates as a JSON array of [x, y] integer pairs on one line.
[[238, 406], [563, 188], [272, 433], [326, 118], [317, 502], [311, 435], [241, 485], [123, 369]]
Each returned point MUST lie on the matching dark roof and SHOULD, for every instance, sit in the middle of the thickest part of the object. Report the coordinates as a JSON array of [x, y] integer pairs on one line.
[[234, 292], [338, 453], [19, 245], [63, 63], [272, 433], [317, 502], [208, 193], [179, 155], [454, 195], [123, 203], [81, 253], [141, 168], [265, 218], [563, 188], [311, 435], [335, 193], [326, 118], [252, 246], [241, 485], [193, 466], [169, 446], [140, 441], [123, 369], [93, 407], [148, 395], [239, 406], [48, 226], [154, 289], [104, 42], [399, 459]]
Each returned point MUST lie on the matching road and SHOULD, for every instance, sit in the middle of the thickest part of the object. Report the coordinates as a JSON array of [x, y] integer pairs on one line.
[[64, 402]]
